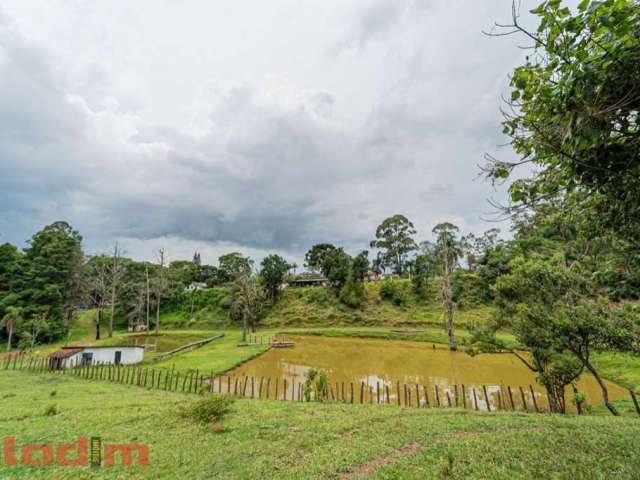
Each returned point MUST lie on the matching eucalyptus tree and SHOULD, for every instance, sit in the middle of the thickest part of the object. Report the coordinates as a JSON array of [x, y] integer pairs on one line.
[[394, 239], [448, 248]]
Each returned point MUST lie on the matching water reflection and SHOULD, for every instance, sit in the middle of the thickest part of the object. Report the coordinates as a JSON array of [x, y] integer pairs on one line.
[[406, 373]]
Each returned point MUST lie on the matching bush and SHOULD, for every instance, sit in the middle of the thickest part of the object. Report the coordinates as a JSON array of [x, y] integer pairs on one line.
[[225, 302], [387, 290], [399, 297], [352, 294], [319, 296], [50, 411], [208, 410]]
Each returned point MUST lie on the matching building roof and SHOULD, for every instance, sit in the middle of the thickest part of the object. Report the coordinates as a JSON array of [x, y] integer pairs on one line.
[[83, 347], [65, 352]]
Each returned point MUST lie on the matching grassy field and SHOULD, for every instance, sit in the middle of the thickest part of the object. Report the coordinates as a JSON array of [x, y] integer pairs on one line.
[[270, 439]]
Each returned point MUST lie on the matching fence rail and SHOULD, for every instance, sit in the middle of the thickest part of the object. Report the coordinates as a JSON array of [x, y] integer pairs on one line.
[[484, 397]]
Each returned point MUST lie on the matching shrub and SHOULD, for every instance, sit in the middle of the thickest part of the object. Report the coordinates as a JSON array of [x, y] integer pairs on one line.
[[352, 294], [225, 302], [319, 296], [50, 411], [399, 297], [316, 385], [387, 290], [208, 410]]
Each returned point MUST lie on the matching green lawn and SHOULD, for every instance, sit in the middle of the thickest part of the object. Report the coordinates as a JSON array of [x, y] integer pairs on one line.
[[285, 440]]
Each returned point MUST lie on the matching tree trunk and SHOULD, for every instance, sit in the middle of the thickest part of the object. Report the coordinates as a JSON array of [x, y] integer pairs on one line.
[[245, 328], [10, 328], [253, 323], [98, 320], [603, 387], [448, 298], [113, 306], [148, 295], [158, 317]]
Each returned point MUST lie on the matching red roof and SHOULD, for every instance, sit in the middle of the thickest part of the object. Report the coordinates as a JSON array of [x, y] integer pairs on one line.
[[65, 352]]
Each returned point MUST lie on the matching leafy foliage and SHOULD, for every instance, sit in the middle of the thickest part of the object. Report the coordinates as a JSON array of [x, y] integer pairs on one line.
[[394, 239]]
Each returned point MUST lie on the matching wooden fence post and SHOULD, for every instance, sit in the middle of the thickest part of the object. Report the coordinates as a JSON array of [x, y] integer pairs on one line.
[[475, 398], [524, 400], [275, 396], [533, 396], [386, 387], [426, 396], [284, 393], [486, 397], [361, 392], [513, 406], [417, 395], [378, 391], [351, 391], [398, 389], [437, 395], [464, 398], [268, 385]]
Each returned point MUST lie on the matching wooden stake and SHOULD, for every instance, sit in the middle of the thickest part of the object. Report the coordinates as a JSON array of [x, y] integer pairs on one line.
[[513, 406], [524, 400], [635, 401], [475, 398], [533, 396], [486, 397]]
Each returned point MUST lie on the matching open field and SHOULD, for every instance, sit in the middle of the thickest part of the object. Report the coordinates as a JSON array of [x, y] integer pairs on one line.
[[271, 439]]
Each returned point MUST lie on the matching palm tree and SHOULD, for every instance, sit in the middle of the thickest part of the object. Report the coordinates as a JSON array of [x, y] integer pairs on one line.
[[11, 320]]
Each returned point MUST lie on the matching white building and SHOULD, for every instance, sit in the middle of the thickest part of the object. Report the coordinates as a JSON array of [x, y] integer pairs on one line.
[[68, 357], [195, 286]]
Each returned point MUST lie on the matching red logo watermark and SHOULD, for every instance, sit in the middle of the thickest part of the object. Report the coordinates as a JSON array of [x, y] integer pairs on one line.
[[73, 454]]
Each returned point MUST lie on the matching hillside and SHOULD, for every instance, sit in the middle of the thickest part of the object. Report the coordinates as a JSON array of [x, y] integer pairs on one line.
[[319, 307]]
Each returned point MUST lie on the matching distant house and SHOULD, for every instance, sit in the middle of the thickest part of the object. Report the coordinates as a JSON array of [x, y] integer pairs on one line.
[[68, 357], [307, 282], [193, 286]]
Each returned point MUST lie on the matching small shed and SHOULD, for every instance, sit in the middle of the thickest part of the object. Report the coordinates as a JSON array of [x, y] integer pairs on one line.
[[308, 282], [68, 357]]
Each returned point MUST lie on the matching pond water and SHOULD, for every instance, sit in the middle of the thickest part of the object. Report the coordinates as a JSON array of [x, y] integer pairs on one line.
[[382, 370]]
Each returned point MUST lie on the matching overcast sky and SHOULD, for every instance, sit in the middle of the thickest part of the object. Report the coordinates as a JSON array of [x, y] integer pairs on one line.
[[257, 126]]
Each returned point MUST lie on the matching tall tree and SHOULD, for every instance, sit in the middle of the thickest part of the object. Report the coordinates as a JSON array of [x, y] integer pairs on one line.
[[96, 279], [48, 267], [360, 266], [448, 253], [273, 272], [337, 268], [231, 265], [314, 258], [248, 301], [394, 238], [160, 283], [116, 271]]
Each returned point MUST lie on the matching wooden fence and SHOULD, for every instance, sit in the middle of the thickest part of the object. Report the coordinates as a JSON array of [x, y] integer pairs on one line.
[[485, 397]]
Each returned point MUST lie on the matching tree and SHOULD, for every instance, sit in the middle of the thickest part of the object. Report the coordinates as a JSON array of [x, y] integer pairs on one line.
[[160, 284], [475, 248], [394, 238], [424, 266], [248, 300], [360, 266], [448, 253], [273, 273], [9, 260], [231, 265], [336, 267], [96, 279], [11, 321], [49, 275], [314, 258], [116, 271], [573, 110]]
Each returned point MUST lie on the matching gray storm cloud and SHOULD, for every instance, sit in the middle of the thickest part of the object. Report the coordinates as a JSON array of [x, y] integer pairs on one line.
[[393, 119]]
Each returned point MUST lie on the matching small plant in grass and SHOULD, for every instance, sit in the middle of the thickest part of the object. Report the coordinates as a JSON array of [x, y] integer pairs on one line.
[[50, 411], [53, 393], [211, 409], [316, 385], [446, 468]]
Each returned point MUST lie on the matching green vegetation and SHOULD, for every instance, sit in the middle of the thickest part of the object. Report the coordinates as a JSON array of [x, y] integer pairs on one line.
[[398, 306], [271, 439]]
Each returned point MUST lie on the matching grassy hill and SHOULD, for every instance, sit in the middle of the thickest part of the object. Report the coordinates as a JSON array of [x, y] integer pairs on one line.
[[292, 440], [318, 306]]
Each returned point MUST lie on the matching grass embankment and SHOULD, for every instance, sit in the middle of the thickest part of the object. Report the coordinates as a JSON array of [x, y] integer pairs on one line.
[[271, 439], [319, 307]]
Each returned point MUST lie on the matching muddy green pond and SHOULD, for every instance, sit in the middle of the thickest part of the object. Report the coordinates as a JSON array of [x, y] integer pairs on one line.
[[400, 372]]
